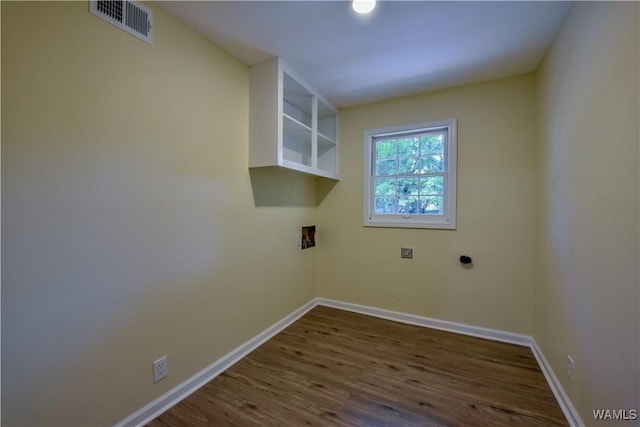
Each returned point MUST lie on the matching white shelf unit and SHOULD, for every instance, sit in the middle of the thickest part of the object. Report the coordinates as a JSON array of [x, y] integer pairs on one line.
[[291, 124]]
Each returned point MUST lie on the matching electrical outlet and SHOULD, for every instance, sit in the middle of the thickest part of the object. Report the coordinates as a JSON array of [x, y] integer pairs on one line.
[[406, 253], [160, 369], [570, 368]]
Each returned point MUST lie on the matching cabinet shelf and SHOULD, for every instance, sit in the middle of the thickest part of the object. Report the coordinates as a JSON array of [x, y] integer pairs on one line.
[[291, 124], [325, 140]]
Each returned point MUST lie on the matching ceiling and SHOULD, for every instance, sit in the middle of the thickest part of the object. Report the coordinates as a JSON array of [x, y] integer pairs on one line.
[[403, 47]]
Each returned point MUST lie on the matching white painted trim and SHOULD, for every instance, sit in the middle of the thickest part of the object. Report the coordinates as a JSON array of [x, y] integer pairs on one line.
[[443, 325], [446, 221], [181, 391], [178, 393], [558, 391]]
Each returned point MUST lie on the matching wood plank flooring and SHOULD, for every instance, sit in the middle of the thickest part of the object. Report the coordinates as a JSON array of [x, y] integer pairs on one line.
[[336, 368]]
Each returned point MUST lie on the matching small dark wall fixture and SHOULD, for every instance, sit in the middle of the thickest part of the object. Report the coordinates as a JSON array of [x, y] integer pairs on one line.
[[466, 261]]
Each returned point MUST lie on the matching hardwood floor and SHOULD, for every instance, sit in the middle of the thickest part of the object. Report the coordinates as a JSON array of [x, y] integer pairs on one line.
[[336, 368]]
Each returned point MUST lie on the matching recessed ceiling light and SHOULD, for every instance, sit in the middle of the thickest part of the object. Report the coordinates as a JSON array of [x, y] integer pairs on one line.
[[363, 6]]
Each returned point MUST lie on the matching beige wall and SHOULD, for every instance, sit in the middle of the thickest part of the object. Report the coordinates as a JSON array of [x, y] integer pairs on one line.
[[129, 223], [496, 214], [132, 227], [588, 292]]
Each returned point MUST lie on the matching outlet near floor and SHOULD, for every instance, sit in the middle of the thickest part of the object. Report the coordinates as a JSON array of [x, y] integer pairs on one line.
[[570, 368], [160, 369]]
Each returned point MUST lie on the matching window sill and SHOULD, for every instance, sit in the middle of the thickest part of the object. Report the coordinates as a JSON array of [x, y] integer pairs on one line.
[[401, 223]]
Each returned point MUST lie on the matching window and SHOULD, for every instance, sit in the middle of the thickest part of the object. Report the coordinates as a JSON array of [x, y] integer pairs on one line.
[[410, 176]]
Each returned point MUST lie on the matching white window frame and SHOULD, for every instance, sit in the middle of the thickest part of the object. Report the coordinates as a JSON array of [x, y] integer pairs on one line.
[[445, 221]]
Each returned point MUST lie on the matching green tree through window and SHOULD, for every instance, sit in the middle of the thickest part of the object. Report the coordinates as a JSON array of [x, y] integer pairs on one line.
[[411, 179], [409, 174]]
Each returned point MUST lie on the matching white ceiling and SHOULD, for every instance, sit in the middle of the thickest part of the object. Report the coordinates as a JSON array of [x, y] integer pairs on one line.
[[404, 47]]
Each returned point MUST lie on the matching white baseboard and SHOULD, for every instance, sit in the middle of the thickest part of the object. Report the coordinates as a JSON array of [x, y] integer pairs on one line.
[[178, 393], [443, 325], [558, 391], [181, 391]]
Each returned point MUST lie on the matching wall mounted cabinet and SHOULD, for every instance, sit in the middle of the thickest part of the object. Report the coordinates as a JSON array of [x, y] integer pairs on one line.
[[291, 124]]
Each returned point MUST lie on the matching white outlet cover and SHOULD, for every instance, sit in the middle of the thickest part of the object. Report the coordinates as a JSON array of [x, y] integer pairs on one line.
[[570, 368], [160, 369]]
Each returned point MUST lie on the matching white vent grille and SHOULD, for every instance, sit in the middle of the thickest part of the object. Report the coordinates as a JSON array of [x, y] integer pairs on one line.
[[128, 15]]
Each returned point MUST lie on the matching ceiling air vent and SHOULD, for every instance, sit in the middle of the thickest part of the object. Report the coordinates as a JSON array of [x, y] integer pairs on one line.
[[129, 15]]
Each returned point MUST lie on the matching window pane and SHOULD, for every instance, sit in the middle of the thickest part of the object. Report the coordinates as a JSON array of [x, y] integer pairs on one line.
[[431, 185], [408, 147], [433, 143], [385, 186], [407, 186], [410, 175], [408, 205], [386, 149], [433, 163], [386, 167], [408, 166], [431, 205], [385, 205]]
